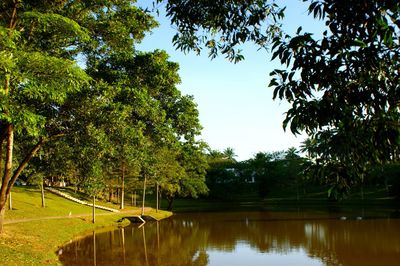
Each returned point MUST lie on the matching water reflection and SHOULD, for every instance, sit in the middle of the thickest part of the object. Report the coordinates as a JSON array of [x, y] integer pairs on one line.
[[243, 239]]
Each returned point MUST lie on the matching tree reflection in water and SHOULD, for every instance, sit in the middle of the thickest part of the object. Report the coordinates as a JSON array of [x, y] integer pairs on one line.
[[206, 238]]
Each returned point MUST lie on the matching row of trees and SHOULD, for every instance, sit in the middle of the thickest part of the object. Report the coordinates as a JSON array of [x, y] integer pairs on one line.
[[285, 174], [260, 175], [77, 100], [135, 125], [118, 110], [343, 88]]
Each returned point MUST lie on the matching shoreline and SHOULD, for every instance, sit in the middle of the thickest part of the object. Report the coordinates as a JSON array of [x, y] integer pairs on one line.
[[37, 242]]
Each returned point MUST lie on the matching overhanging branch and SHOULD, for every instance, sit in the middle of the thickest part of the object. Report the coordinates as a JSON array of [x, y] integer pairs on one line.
[[28, 157]]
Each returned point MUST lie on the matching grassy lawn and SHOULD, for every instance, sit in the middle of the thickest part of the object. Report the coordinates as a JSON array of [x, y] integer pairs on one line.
[[36, 242], [27, 204]]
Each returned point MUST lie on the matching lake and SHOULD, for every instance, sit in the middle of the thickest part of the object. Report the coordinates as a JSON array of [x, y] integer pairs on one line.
[[243, 238]]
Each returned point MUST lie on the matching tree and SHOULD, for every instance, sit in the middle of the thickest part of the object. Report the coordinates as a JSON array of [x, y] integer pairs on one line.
[[261, 170], [222, 175], [39, 44], [168, 172], [181, 171], [344, 88], [35, 60], [223, 25], [93, 181], [143, 103], [291, 154], [230, 154], [193, 161], [294, 166]]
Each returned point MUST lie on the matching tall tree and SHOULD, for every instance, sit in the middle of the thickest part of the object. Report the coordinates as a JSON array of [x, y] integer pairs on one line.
[[194, 162], [37, 45], [144, 103], [294, 165], [40, 42], [344, 88]]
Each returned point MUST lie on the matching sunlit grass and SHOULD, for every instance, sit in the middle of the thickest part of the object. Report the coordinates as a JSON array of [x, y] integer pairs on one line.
[[27, 203], [36, 242]]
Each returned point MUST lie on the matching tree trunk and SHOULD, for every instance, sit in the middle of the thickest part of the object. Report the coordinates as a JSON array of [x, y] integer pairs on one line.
[[110, 194], [10, 202], [42, 191], [2, 212], [25, 162], [7, 180], [170, 201], [144, 194], [121, 206], [94, 210], [8, 163], [5, 189], [134, 199], [2, 138], [157, 197], [159, 203]]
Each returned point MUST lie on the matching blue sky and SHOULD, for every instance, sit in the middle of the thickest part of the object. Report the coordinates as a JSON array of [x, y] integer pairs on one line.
[[234, 100]]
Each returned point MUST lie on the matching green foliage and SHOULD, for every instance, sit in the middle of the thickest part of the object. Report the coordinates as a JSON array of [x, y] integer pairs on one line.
[[36, 77], [193, 161], [343, 88], [267, 170], [221, 26], [261, 175], [148, 121], [123, 112], [390, 176], [45, 84], [221, 178], [114, 26]]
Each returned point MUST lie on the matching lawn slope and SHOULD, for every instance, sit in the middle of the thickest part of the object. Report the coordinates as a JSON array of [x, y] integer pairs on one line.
[[28, 241]]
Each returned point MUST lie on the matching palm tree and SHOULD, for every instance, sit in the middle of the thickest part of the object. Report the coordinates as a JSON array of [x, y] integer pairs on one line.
[[291, 154], [229, 153], [308, 146]]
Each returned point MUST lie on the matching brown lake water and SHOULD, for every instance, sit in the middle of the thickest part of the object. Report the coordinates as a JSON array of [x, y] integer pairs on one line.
[[243, 238]]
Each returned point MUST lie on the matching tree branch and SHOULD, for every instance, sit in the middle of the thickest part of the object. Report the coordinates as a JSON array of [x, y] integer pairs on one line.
[[13, 20], [28, 157], [24, 163], [8, 166]]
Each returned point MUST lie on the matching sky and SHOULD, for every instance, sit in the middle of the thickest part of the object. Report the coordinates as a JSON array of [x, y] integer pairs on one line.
[[234, 101]]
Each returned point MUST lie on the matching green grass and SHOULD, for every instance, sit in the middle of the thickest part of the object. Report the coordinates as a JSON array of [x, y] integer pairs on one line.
[[36, 242], [27, 203], [85, 197]]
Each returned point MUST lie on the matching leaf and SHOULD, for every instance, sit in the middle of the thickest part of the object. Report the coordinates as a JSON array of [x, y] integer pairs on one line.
[[359, 43]]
